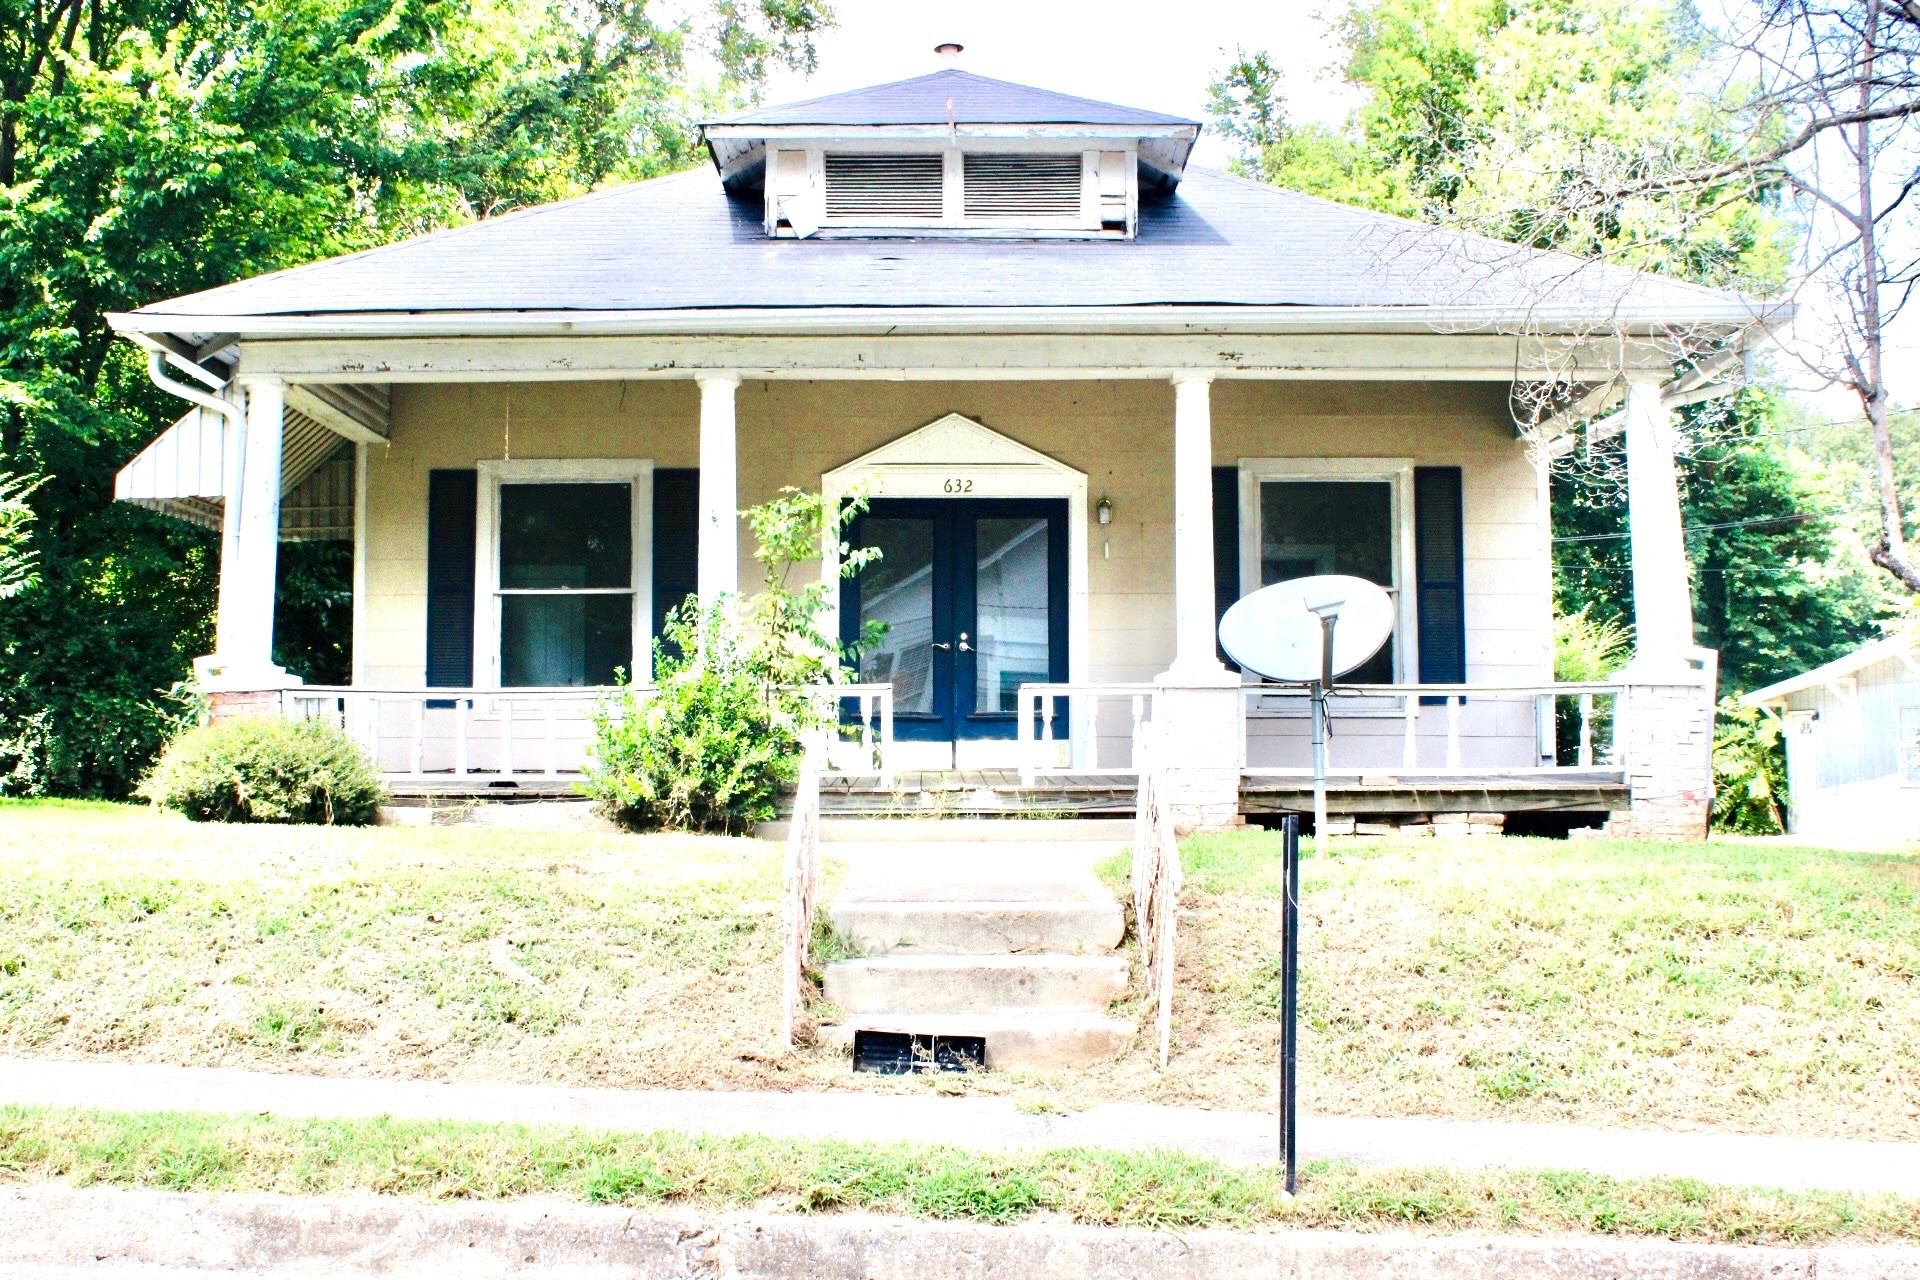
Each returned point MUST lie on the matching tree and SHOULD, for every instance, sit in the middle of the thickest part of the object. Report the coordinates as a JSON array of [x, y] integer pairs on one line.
[[1774, 589], [17, 572], [154, 147]]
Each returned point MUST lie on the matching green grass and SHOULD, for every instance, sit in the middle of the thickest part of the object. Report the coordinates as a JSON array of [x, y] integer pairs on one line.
[[191, 1153], [1730, 984], [1726, 985], [387, 950]]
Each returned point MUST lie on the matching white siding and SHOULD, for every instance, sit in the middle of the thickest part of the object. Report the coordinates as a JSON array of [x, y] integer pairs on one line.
[[1844, 763]]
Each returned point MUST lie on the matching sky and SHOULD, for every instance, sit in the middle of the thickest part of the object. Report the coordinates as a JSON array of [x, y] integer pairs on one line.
[[1160, 56]]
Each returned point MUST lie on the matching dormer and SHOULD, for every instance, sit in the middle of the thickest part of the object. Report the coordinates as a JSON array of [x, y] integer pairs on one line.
[[951, 154]]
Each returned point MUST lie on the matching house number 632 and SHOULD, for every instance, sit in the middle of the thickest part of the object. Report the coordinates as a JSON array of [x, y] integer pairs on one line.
[[957, 484]]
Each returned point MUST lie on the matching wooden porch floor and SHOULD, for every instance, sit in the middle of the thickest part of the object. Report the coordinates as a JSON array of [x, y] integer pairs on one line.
[[1000, 792]]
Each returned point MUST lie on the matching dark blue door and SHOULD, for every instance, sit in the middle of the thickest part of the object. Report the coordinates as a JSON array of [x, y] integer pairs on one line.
[[972, 592]]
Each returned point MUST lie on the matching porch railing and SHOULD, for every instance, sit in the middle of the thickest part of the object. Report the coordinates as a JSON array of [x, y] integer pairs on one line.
[[418, 732], [1082, 706], [1439, 728]]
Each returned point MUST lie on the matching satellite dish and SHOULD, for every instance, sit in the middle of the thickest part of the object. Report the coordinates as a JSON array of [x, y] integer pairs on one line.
[[1276, 632]]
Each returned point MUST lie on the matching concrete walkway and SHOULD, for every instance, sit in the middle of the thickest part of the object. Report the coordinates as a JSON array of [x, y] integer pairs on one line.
[[985, 1124]]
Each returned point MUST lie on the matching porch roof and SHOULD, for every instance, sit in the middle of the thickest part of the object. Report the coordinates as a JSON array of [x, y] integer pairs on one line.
[[1222, 252]]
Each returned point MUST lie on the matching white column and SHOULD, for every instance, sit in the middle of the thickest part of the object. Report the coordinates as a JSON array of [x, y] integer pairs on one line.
[[251, 546], [1193, 654], [1662, 598], [719, 554]]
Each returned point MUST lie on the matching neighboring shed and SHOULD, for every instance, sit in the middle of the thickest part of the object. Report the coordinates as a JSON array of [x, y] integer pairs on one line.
[[1853, 743]]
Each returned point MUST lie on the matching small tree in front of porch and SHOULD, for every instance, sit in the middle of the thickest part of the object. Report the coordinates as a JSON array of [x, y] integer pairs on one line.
[[709, 746]]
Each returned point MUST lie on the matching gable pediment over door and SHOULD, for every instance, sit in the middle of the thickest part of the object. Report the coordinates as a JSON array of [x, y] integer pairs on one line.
[[955, 455]]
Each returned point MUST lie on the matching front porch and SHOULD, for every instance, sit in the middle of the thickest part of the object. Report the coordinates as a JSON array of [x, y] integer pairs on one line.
[[1406, 753], [1060, 538]]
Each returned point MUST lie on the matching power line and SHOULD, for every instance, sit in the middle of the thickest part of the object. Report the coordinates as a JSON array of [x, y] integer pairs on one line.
[[1798, 517]]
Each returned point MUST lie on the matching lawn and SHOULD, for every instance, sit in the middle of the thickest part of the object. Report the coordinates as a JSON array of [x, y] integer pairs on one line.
[[195, 1153], [1724, 985], [425, 952]]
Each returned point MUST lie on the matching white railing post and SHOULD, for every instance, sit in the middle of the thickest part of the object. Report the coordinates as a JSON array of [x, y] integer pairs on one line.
[[462, 710], [801, 886], [886, 738], [419, 737], [1025, 700], [1453, 730], [1156, 885], [506, 737], [1410, 738], [1586, 730]]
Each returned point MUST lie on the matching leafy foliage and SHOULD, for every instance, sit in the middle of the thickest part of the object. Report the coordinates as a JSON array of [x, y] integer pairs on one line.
[[710, 749], [266, 769], [1586, 647], [1776, 587], [707, 749], [149, 150], [17, 571], [1749, 771], [788, 646], [1497, 116]]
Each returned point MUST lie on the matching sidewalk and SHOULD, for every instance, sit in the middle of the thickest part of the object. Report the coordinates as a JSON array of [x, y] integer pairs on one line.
[[985, 1124]]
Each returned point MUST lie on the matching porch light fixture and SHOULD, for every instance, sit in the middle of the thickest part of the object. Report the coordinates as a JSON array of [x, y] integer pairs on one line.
[[1103, 510]]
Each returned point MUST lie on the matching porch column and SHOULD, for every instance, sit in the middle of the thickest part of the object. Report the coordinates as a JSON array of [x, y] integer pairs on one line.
[[1662, 598], [1196, 710], [250, 549], [1665, 727], [719, 542], [1194, 648]]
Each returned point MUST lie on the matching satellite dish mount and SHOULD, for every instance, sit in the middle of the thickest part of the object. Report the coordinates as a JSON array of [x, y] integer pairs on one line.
[[1307, 631]]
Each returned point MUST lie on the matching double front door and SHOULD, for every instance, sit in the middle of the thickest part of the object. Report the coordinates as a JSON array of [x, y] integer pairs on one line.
[[971, 597]]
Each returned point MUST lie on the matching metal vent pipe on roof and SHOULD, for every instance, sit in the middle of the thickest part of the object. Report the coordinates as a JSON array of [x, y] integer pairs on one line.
[[949, 50]]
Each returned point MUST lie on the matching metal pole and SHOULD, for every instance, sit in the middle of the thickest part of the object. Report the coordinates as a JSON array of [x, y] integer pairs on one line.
[[1290, 997], [1321, 687]]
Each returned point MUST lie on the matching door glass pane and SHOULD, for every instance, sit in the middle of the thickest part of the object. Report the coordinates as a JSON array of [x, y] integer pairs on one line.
[[565, 535], [1011, 610], [897, 591], [1310, 527], [550, 640]]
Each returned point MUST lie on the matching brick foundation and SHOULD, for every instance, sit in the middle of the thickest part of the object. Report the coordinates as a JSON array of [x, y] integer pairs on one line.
[[1668, 748]]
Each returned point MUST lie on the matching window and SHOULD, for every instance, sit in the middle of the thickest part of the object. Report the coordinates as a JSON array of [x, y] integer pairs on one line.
[[563, 573], [1050, 190], [1311, 516]]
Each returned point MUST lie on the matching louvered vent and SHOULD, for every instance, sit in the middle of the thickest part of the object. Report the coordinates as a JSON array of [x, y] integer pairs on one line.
[[1016, 186], [883, 188]]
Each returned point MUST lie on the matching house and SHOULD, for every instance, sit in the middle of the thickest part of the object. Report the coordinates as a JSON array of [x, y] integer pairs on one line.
[[1852, 733], [1094, 394]]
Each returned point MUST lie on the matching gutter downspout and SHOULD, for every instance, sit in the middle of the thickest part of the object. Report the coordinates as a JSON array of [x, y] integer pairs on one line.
[[232, 464]]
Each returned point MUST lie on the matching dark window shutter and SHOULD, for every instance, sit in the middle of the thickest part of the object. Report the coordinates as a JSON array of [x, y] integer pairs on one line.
[[676, 540], [1226, 546], [1438, 547], [451, 507]]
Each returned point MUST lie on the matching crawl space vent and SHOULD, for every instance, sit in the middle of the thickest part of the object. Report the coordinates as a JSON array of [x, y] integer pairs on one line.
[[1015, 186], [883, 188], [898, 1053]]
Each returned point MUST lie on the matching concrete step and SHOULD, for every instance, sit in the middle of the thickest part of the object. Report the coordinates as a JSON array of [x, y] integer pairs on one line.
[[925, 984], [1057, 1040], [1069, 926], [967, 830]]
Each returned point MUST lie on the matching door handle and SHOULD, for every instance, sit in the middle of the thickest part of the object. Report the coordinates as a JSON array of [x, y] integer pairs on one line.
[[941, 644], [964, 646]]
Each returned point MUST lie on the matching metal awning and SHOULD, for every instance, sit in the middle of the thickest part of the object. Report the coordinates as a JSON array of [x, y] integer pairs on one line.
[[184, 474]]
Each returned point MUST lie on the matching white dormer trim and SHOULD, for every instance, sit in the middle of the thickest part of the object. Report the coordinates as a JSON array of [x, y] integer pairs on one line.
[[796, 203]]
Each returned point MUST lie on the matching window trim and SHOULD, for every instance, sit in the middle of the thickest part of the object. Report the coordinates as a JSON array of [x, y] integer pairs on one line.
[[1397, 473], [637, 473]]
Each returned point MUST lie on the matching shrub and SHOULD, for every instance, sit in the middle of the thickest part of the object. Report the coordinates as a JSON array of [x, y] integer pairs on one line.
[[1586, 649], [708, 749], [266, 769], [1749, 771]]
